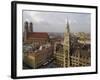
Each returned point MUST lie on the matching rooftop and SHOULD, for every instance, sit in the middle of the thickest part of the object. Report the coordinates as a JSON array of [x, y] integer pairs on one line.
[[38, 35]]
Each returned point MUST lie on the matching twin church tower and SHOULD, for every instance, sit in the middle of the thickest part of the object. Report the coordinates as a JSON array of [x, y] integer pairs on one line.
[[28, 27]]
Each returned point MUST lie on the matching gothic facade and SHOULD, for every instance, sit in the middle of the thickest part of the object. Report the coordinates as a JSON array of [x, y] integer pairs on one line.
[[71, 53]]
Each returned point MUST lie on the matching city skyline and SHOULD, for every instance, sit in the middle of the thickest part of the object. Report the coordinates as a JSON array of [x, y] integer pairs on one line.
[[56, 21], [42, 51]]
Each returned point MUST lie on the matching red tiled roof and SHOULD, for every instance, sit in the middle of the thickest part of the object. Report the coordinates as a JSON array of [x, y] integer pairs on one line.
[[38, 35]]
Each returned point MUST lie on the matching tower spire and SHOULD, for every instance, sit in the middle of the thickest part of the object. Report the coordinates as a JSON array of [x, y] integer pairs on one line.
[[68, 30], [66, 46]]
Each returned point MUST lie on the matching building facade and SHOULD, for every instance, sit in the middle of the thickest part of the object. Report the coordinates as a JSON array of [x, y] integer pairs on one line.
[[34, 38], [71, 53], [38, 57], [37, 49]]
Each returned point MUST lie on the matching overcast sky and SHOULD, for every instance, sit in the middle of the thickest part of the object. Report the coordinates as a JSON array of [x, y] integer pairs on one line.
[[56, 21]]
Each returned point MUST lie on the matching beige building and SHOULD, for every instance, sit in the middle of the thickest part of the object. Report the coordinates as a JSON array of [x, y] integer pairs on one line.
[[39, 57]]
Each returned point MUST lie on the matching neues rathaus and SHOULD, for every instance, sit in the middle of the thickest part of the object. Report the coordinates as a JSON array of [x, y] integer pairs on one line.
[[72, 53]]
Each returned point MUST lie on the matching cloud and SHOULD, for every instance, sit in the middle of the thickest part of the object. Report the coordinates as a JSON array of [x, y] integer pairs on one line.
[[56, 21]]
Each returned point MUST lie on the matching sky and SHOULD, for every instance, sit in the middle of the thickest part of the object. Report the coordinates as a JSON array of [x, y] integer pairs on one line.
[[44, 21]]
